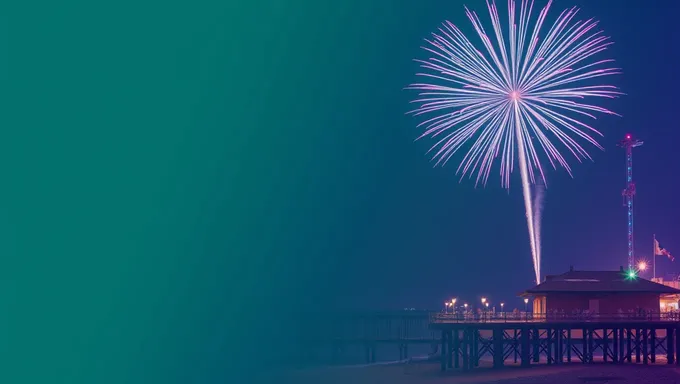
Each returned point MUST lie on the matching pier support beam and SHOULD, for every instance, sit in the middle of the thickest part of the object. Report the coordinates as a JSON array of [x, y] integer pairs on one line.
[[549, 343], [637, 345], [621, 346], [451, 343], [670, 353], [498, 355], [569, 345], [629, 354], [443, 350], [466, 349], [585, 345], [591, 345], [677, 346], [475, 346], [525, 345], [456, 348], [652, 345], [560, 346], [515, 345], [615, 346], [536, 341], [605, 345], [645, 346]]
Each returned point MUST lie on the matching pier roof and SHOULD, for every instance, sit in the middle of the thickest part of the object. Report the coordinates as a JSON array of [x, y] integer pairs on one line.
[[598, 281]]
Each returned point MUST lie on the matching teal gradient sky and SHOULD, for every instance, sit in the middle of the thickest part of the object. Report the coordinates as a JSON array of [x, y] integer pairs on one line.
[[163, 162], [178, 174]]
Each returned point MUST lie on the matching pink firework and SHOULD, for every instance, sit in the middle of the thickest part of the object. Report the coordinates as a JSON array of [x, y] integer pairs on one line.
[[521, 93]]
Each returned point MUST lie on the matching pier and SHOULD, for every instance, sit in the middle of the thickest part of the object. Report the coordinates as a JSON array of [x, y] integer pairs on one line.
[[460, 342], [532, 339]]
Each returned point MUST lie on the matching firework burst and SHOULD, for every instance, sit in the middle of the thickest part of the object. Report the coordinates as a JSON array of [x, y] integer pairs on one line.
[[518, 97]]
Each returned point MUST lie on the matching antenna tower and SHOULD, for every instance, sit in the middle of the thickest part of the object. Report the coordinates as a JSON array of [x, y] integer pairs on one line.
[[628, 143]]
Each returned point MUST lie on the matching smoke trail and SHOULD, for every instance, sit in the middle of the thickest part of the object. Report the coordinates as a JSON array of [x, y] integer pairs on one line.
[[526, 189], [539, 196]]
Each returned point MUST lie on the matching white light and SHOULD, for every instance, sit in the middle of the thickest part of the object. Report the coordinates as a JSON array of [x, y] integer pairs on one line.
[[642, 266]]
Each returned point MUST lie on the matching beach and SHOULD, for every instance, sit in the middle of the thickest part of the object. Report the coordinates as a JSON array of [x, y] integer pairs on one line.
[[574, 373]]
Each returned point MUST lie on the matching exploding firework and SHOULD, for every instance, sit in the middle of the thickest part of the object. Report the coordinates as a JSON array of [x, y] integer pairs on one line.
[[516, 99]]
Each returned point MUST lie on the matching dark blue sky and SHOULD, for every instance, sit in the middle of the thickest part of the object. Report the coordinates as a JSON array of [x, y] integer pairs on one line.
[[421, 237]]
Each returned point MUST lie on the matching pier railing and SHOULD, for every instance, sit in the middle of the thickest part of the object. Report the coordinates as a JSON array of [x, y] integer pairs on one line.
[[511, 317]]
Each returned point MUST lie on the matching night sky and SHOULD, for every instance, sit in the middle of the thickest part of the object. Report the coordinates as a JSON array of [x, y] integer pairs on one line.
[[178, 175], [382, 228]]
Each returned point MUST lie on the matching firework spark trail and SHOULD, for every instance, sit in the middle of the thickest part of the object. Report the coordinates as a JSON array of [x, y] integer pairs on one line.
[[522, 93]]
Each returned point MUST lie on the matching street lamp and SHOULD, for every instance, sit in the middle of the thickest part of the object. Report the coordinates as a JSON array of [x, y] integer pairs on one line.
[[446, 307], [502, 304], [483, 302], [465, 305], [453, 304], [526, 302]]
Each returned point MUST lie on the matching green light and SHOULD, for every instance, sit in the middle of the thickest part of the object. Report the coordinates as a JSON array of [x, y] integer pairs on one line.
[[632, 274]]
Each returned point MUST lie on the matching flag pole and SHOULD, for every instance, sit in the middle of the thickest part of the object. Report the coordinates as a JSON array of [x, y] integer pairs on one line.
[[654, 256]]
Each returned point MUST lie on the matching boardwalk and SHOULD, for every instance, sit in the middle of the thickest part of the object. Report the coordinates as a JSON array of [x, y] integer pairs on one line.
[[524, 317]]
